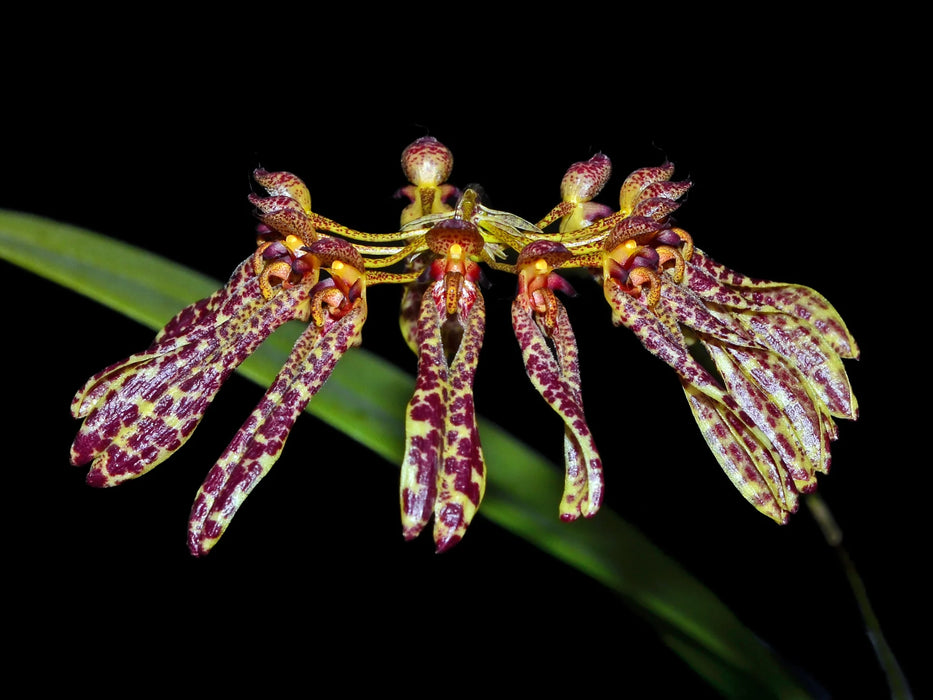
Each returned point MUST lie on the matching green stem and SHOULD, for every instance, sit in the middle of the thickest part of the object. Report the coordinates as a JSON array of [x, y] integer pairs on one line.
[[897, 681]]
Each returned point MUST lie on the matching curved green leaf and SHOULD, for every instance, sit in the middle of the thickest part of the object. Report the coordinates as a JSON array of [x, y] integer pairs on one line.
[[366, 398]]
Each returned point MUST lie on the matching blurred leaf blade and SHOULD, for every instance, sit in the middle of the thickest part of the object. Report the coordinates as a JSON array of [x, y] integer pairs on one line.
[[366, 399]]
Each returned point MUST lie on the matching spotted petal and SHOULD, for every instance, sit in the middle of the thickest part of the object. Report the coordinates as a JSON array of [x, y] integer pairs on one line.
[[774, 397], [746, 461], [139, 411], [444, 471], [742, 449], [732, 289], [556, 376], [258, 444], [792, 321], [808, 351], [424, 422], [770, 389]]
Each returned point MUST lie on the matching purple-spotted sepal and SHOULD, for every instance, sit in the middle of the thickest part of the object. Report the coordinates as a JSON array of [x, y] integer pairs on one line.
[[338, 310], [137, 412], [444, 473], [772, 380], [549, 350]]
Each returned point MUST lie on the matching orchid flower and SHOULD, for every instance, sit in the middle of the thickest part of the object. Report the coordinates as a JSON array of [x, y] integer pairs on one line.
[[139, 411], [760, 362], [549, 350], [766, 409], [444, 470]]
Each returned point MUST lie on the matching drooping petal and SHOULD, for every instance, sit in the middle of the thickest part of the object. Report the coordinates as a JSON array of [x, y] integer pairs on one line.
[[214, 310], [726, 287], [444, 471], [582, 459], [199, 318], [689, 310], [796, 324], [770, 390], [808, 341], [776, 400], [810, 353], [662, 339], [747, 464], [425, 421], [462, 477], [794, 321], [742, 449], [139, 411], [556, 376], [260, 441]]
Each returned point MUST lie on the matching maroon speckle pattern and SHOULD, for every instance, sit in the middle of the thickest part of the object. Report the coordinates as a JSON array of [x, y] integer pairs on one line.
[[444, 468], [586, 179], [193, 356], [258, 444], [555, 374]]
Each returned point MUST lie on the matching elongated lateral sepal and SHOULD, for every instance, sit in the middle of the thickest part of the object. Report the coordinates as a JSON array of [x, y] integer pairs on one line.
[[425, 420], [444, 472], [743, 450], [139, 411], [461, 480], [259, 443], [719, 284], [556, 376]]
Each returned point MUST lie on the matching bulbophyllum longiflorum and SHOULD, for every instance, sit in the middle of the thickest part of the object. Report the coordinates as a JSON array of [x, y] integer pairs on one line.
[[764, 399]]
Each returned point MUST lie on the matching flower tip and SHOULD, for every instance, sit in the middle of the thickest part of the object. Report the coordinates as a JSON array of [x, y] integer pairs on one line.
[[447, 543], [97, 479], [411, 533], [284, 184], [100, 477], [199, 544], [197, 551]]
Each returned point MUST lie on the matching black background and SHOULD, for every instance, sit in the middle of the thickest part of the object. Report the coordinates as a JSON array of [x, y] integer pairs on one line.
[[796, 178]]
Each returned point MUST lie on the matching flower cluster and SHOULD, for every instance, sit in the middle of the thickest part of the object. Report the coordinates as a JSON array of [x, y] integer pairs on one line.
[[764, 390]]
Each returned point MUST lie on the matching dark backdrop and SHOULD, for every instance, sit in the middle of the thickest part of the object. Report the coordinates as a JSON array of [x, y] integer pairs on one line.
[[794, 180]]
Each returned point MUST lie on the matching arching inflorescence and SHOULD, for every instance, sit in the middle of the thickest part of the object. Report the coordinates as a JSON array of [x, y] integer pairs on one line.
[[765, 397]]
